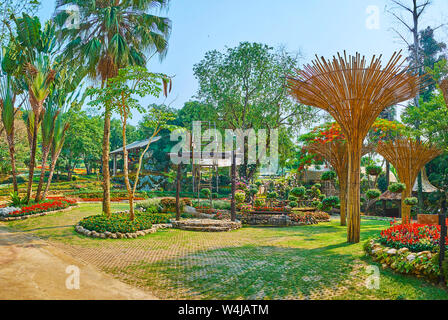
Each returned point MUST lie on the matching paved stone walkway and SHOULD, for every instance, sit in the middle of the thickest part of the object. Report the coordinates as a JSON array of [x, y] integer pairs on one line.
[[30, 268]]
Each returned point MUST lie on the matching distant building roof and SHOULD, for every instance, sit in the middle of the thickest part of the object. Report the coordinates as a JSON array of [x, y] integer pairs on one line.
[[136, 145], [390, 196]]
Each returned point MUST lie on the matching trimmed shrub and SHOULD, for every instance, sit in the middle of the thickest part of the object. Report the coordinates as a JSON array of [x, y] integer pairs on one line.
[[293, 204], [373, 194], [328, 176], [292, 198], [259, 202], [206, 192], [330, 202], [272, 195], [397, 187], [412, 201], [240, 197], [298, 192], [374, 170]]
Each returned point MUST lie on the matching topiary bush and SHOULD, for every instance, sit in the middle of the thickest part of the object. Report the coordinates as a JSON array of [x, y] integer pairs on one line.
[[206, 192], [412, 201], [330, 202], [259, 202], [298, 192], [328, 176], [397, 187], [374, 170], [373, 194], [240, 197], [293, 204], [292, 198]]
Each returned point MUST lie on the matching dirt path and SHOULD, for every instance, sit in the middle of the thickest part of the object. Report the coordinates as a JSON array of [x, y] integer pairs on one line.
[[33, 269]]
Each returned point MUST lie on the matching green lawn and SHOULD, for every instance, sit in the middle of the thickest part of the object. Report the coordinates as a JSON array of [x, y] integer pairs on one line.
[[311, 262]]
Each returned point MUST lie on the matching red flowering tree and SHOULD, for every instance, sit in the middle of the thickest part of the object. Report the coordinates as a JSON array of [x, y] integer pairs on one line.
[[328, 142]]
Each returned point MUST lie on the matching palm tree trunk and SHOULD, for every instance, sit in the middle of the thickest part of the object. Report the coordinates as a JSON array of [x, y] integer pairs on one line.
[[106, 173], [45, 152], [54, 159], [32, 159], [10, 139]]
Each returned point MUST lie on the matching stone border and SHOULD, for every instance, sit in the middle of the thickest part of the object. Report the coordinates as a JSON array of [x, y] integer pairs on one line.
[[206, 225], [392, 258], [36, 214], [120, 235]]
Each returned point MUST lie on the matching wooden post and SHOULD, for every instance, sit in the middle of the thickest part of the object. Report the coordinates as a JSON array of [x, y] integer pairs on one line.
[[233, 177], [443, 231], [179, 178]]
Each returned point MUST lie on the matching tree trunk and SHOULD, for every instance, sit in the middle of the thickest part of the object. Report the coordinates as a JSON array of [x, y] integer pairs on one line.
[[354, 196], [387, 174], [233, 177], [343, 200], [10, 139], [105, 158], [45, 152], [178, 180], [54, 159], [405, 209], [126, 169], [32, 159]]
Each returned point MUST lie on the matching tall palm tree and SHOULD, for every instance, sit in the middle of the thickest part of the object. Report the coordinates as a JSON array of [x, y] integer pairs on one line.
[[40, 77], [66, 91], [7, 99], [47, 130], [33, 58], [112, 34]]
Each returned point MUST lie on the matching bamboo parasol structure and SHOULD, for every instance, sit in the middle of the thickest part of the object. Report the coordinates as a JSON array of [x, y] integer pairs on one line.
[[354, 93], [408, 156], [335, 152]]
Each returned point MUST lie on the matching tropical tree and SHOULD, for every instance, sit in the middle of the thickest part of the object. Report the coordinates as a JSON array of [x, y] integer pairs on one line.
[[246, 88], [7, 99], [65, 90], [59, 130], [14, 7], [33, 57], [112, 35], [122, 93]]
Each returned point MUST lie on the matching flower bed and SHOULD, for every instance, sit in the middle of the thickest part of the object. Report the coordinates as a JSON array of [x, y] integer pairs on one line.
[[421, 264], [416, 237], [113, 199], [120, 226], [120, 222], [40, 208]]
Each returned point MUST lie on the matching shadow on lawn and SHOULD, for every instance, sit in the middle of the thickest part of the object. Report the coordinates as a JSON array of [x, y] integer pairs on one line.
[[247, 272]]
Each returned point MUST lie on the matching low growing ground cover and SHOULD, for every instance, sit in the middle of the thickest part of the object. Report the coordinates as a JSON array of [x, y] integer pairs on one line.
[[306, 262]]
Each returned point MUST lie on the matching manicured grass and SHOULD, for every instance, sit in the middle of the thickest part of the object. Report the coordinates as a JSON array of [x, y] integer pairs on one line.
[[307, 262]]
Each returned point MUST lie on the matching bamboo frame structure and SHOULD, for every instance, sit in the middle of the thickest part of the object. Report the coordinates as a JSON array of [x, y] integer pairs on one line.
[[408, 156], [335, 152], [354, 93]]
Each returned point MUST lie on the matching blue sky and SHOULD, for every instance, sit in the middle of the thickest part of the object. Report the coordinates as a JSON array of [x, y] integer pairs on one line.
[[321, 27]]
